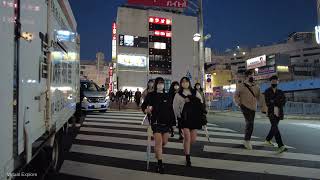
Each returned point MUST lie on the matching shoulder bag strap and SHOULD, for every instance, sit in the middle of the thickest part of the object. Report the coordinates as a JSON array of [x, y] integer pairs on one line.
[[250, 90]]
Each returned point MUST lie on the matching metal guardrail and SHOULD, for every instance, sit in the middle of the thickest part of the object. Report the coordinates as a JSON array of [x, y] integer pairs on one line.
[[291, 108]]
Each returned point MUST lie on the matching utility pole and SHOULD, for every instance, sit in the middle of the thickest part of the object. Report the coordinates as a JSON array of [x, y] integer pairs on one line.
[[201, 45]]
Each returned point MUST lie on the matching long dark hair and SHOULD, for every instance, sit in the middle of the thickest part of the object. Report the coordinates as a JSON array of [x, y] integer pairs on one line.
[[195, 87], [181, 88], [172, 91], [150, 80], [157, 81]]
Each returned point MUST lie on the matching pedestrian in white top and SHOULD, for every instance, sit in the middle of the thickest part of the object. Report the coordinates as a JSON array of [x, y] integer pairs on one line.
[[188, 109]]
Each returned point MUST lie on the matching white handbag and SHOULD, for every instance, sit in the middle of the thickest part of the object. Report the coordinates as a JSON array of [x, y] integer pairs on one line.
[[145, 121]]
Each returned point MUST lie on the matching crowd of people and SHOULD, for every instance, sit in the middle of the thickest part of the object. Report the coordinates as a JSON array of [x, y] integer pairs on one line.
[[184, 108]]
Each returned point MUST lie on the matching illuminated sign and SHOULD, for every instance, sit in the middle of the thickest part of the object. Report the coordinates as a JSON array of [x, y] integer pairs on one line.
[[158, 20], [317, 32], [167, 34], [110, 79], [161, 3], [159, 45], [266, 70], [282, 68], [67, 36], [257, 62], [133, 41], [114, 41], [132, 60], [264, 76]]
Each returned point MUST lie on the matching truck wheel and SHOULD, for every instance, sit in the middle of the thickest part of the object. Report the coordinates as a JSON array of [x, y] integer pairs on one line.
[[55, 156], [55, 153]]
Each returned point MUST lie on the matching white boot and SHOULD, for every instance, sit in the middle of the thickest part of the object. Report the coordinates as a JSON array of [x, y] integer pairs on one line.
[[247, 145]]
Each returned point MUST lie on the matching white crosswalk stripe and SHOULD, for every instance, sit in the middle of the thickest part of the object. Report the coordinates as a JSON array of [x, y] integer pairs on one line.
[[112, 146]]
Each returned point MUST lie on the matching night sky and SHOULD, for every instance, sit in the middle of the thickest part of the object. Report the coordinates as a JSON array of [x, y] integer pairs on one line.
[[230, 22]]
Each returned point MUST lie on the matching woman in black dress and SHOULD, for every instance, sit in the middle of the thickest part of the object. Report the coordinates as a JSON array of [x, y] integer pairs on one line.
[[157, 104], [174, 89], [188, 109]]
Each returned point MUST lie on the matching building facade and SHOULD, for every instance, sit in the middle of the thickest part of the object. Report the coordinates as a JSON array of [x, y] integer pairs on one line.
[[97, 70], [153, 43], [295, 59]]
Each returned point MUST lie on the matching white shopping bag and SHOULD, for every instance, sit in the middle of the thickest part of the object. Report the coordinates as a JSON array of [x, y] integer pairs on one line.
[[145, 121], [207, 133]]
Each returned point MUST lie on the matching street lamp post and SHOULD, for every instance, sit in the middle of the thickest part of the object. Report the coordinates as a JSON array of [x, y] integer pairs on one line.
[[196, 39], [201, 45]]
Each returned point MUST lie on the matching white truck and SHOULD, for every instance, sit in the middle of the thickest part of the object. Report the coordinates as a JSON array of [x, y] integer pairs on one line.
[[39, 72]]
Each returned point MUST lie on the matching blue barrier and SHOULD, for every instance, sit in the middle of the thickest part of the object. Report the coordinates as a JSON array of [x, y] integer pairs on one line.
[[291, 108], [297, 85]]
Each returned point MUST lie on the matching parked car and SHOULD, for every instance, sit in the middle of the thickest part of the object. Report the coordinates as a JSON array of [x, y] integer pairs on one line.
[[93, 98]]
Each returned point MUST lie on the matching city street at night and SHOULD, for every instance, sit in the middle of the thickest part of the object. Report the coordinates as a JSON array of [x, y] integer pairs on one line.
[[159, 90], [113, 145]]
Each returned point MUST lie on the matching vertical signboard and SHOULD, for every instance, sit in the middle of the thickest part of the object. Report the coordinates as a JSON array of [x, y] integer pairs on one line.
[[161, 3], [110, 78], [114, 41], [317, 33]]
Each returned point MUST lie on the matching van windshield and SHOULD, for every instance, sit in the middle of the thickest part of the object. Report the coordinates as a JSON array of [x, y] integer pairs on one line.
[[89, 86]]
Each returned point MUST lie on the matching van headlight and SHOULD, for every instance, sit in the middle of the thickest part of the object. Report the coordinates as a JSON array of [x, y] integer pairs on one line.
[[85, 99]]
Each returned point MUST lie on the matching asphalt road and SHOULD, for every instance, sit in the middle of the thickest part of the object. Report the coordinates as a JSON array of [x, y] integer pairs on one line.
[[304, 135], [112, 146]]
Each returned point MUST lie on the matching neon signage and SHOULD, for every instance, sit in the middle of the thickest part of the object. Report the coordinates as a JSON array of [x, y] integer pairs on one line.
[[317, 32], [158, 20], [114, 41], [163, 33]]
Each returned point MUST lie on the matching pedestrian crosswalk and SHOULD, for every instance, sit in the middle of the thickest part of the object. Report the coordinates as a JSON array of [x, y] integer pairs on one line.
[[112, 145]]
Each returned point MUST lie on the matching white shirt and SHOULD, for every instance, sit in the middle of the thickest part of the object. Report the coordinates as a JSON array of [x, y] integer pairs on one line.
[[179, 101]]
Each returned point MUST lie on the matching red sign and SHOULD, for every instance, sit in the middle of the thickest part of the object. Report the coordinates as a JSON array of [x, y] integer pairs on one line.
[[158, 20], [114, 30], [161, 3], [163, 33]]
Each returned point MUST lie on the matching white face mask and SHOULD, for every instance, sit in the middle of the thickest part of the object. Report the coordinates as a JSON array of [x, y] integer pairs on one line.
[[185, 85], [160, 87], [198, 87], [176, 87]]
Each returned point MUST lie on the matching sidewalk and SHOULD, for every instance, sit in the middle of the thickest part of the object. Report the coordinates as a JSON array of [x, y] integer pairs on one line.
[[259, 115], [131, 106]]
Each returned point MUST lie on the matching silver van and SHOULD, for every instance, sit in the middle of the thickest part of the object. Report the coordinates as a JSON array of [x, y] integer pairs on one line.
[[93, 98]]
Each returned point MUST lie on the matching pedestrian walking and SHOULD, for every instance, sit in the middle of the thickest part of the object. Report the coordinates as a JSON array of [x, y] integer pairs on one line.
[[125, 96], [137, 97], [247, 97], [174, 88], [148, 89], [187, 105], [275, 101], [130, 95], [158, 106], [119, 95], [198, 88]]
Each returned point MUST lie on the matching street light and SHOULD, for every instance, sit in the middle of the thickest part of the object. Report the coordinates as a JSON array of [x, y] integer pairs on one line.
[[196, 37]]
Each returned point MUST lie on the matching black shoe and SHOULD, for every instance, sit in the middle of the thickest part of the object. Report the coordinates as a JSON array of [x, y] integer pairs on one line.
[[172, 134], [188, 164], [160, 169]]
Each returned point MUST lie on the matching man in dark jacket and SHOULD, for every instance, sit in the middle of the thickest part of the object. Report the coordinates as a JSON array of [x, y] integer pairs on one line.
[[137, 97], [275, 101]]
